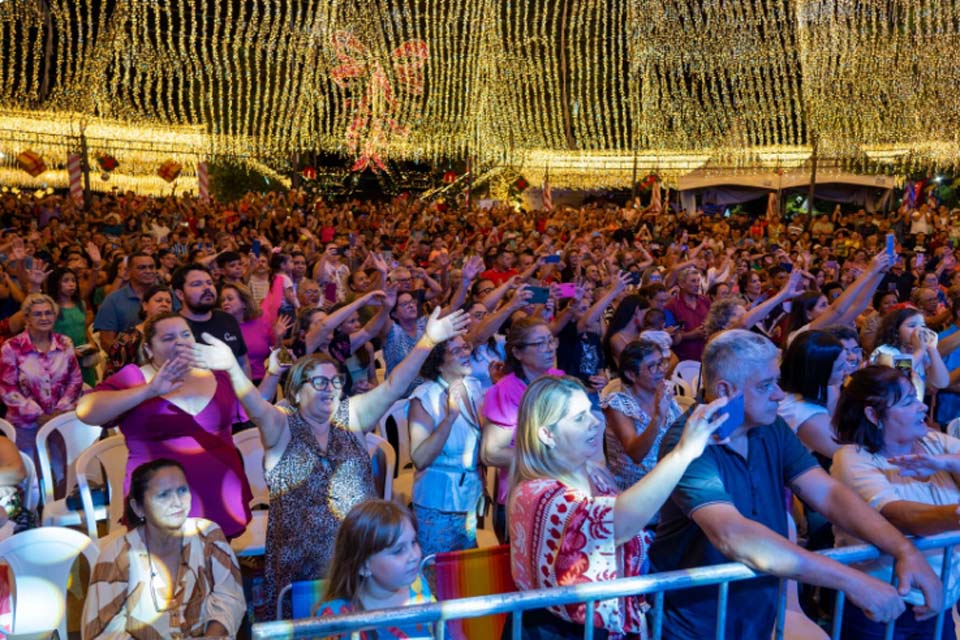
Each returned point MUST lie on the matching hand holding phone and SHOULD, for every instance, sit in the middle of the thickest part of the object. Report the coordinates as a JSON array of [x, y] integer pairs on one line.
[[891, 247], [539, 295], [733, 410]]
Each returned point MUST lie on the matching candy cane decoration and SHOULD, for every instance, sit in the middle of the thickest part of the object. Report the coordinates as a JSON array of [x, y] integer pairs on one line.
[[203, 182], [75, 172]]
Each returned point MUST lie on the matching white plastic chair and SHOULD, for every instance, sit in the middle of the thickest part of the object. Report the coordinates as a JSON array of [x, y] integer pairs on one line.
[[31, 488], [398, 411], [374, 444], [77, 437], [380, 365], [8, 430], [687, 373], [40, 560], [252, 542], [111, 454]]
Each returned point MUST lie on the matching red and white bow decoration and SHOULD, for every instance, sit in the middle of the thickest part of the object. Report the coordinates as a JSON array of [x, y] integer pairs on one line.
[[374, 123]]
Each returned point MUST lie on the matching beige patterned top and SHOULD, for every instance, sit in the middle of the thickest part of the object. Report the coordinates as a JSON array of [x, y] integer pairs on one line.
[[121, 604]]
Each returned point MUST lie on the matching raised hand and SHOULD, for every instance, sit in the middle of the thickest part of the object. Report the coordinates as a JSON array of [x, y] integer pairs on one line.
[[442, 329], [39, 273], [215, 355], [472, 267], [283, 324], [93, 252]]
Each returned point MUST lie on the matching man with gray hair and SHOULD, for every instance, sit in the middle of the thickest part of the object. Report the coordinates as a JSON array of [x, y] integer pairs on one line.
[[729, 506]]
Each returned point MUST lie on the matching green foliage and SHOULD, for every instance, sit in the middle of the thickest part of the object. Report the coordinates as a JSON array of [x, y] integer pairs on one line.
[[231, 179]]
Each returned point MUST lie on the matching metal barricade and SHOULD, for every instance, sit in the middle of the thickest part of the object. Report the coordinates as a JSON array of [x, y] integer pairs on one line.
[[652, 585]]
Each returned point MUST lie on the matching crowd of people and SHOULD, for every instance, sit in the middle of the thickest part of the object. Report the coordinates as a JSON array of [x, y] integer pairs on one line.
[[547, 345]]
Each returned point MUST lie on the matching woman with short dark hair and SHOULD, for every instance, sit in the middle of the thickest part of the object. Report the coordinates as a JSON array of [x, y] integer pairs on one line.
[[905, 471]]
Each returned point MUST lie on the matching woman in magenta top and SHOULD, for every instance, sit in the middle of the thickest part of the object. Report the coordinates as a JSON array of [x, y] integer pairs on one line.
[[262, 328], [167, 409], [531, 352]]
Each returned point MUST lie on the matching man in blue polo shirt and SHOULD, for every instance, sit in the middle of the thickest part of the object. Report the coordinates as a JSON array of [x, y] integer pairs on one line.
[[121, 309], [730, 506]]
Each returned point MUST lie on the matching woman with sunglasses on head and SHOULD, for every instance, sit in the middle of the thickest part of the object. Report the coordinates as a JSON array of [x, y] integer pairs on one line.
[[167, 575], [315, 456], [445, 449], [531, 352]]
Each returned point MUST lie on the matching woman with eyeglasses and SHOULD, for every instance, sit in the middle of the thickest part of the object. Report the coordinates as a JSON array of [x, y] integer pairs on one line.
[[167, 575], [445, 449], [638, 407], [531, 352], [315, 456]]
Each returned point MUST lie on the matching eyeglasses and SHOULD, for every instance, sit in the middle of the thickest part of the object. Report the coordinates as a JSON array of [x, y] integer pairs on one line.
[[322, 383], [547, 344], [483, 292], [663, 363]]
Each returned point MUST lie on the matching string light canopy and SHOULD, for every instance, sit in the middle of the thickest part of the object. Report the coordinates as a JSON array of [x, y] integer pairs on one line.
[[588, 88]]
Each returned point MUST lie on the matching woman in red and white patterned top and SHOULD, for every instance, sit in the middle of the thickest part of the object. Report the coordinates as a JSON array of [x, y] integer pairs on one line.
[[568, 522]]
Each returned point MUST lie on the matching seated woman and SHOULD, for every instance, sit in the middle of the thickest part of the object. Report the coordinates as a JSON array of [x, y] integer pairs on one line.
[[376, 565], [568, 522], [315, 456], [167, 408], [445, 449], [169, 575], [905, 471], [904, 341]]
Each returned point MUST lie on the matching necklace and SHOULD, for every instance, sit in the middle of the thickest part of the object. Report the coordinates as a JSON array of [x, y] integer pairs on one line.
[[156, 578]]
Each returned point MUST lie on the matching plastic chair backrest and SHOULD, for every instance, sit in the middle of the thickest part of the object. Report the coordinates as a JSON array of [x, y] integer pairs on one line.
[[398, 411], [8, 430], [31, 489], [382, 471], [112, 454], [251, 450], [689, 372], [40, 560], [77, 436]]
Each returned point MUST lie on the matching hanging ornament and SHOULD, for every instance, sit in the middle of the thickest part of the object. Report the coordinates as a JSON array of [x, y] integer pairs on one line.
[[310, 173], [450, 177], [107, 162], [31, 162], [105, 176], [169, 170]]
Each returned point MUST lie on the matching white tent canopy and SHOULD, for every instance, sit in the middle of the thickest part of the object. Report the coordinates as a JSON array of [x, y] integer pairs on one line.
[[734, 187]]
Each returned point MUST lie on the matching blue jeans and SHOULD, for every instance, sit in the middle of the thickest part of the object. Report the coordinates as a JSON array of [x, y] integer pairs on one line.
[[857, 626]]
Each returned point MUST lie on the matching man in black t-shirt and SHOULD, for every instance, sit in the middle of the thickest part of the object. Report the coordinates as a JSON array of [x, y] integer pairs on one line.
[[194, 288]]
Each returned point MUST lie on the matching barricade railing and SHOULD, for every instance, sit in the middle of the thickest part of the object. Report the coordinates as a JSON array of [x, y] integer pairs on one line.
[[652, 586]]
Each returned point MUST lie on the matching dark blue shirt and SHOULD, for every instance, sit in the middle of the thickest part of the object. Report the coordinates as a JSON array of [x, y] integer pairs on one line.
[[756, 486]]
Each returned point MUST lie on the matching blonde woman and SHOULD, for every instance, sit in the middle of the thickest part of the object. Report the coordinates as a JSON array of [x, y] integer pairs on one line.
[[568, 522]]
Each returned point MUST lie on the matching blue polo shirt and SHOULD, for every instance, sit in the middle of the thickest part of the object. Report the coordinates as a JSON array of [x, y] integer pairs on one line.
[[119, 311], [756, 486]]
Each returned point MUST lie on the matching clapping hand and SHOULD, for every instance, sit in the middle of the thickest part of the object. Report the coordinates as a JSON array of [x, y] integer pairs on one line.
[[440, 330], [918, 465], [170, 375]]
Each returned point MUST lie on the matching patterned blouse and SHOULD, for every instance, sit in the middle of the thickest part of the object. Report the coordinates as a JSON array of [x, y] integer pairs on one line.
[[121, 603], [34, 384], [625, 470], [561, 535]]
